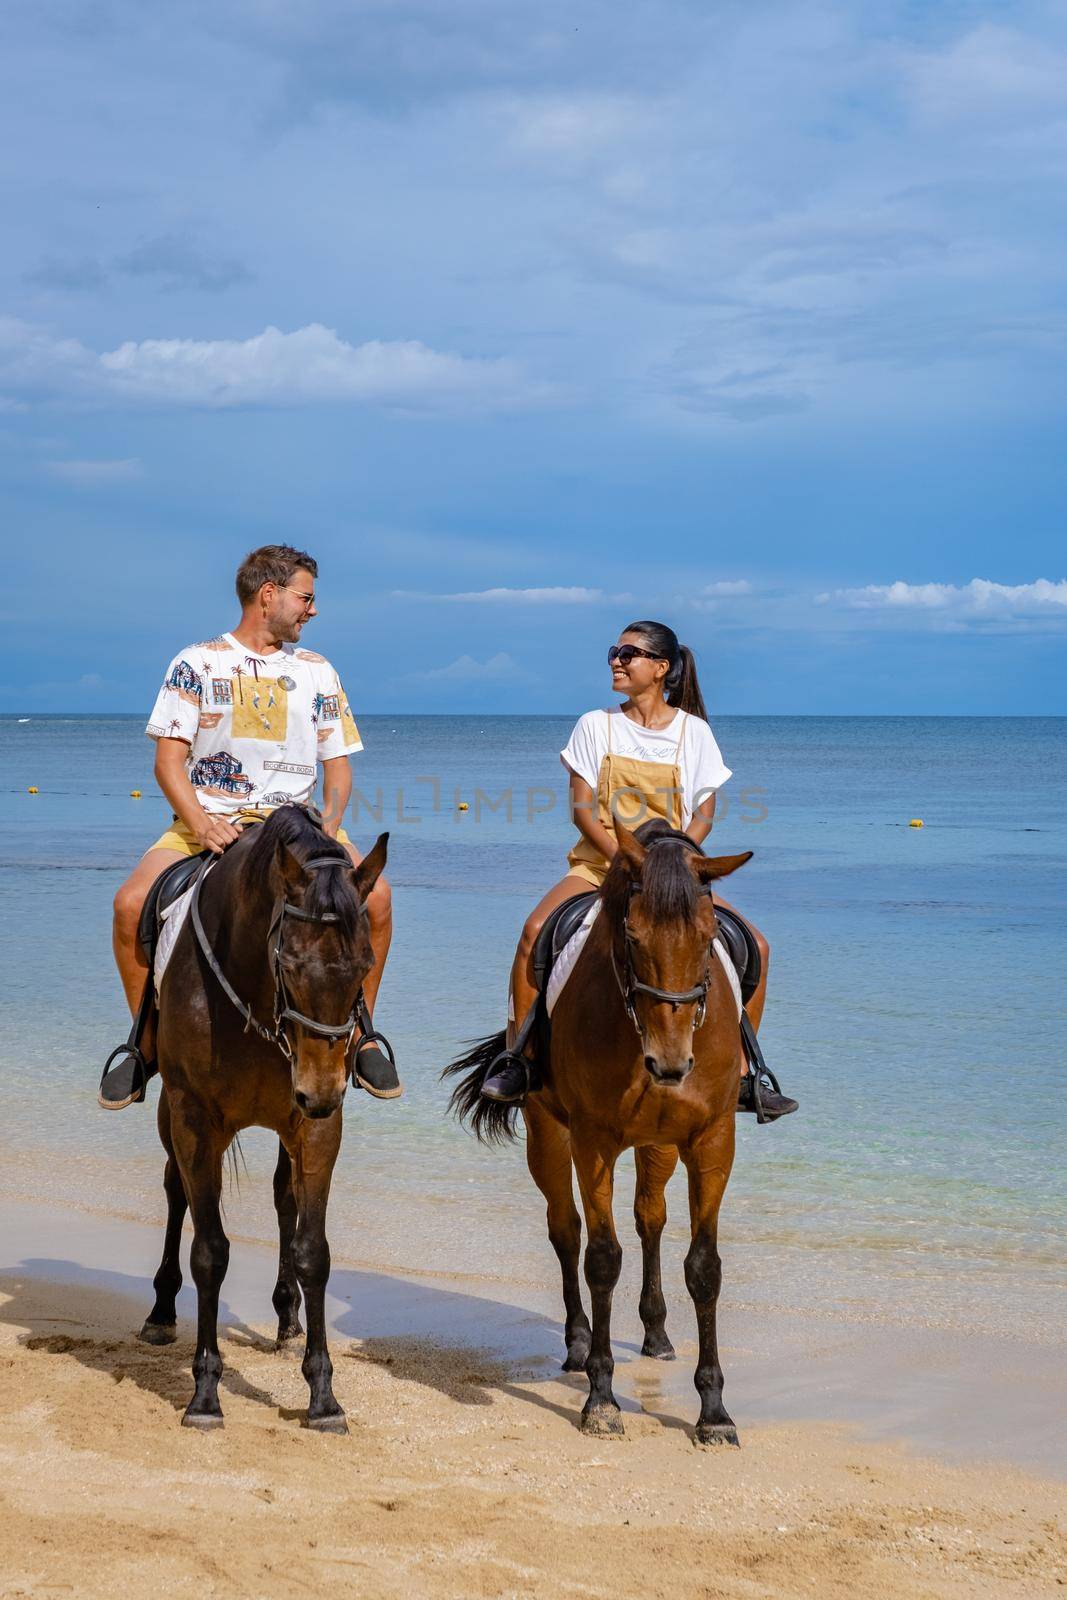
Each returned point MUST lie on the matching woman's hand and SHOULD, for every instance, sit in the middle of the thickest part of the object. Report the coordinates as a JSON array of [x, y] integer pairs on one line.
[[584, 812]]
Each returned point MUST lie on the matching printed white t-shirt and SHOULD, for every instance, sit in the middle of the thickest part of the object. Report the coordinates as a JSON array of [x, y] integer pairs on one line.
[[701, 767], [257, 726]]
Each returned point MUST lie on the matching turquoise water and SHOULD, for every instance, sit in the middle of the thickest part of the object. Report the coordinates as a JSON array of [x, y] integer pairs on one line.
[[915, 1008]]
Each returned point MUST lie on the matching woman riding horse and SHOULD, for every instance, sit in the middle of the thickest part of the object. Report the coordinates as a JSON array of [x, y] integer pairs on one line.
[[653, 756]]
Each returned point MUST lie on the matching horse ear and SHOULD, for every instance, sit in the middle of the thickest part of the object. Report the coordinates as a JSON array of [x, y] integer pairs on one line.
[[292, 869], [631, 849], [708, 868], [371, 867]]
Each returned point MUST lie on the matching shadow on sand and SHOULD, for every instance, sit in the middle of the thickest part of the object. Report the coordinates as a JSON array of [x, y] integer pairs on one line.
[[461, 1345]]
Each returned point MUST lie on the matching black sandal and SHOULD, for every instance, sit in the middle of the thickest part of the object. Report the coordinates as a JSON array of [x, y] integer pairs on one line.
[[373, 1069], [124, 1085]]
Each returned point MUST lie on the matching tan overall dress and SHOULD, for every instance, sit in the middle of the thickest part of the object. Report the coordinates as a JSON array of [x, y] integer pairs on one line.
[[633, 791]]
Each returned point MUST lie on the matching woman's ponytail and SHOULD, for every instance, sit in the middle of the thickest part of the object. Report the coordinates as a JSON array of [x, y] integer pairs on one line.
[[681, 685], [685, 692]]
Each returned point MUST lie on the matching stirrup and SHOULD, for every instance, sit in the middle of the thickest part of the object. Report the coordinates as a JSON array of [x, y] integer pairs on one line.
[[758, 1070], [371, 1036], [510, 1059], [142, 1070]]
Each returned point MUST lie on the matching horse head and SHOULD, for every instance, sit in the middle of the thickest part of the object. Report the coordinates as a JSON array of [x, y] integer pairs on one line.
[[320, 954], [663, 914]]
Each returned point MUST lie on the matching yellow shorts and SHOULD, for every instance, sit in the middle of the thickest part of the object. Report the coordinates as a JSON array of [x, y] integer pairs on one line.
[[592, 872], [182, 840]]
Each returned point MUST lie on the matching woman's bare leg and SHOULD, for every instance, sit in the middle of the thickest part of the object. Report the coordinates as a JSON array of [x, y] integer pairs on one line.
[[523, 989]]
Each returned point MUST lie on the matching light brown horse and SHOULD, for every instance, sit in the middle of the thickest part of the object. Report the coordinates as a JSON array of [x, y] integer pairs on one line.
[[257, 1010], [645, 1052]]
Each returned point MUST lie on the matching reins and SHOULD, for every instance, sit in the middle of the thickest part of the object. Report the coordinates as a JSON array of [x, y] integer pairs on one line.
[[283, 1011]]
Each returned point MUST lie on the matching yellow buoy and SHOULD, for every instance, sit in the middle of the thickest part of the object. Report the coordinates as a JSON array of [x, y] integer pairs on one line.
[[32, 791], [916, 822], [135, 794], [463, 806]]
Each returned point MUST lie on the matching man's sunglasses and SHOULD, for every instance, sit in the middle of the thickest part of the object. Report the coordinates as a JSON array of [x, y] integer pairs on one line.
[[624, 654]]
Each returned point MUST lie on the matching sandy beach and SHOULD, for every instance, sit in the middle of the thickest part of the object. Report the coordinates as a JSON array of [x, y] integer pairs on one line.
[[464, 1472]]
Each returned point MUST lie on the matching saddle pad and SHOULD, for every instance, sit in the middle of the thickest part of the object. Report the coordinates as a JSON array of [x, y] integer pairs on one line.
[[564, 962], [170, 925]]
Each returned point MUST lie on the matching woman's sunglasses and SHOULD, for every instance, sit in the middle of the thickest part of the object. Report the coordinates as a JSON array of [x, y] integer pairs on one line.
[[624, 654]]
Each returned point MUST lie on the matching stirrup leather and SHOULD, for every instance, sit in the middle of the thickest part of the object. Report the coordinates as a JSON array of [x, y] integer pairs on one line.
[[758, 1067]]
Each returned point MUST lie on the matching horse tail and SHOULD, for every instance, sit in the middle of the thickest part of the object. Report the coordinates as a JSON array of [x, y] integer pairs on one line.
[[488, 1120]]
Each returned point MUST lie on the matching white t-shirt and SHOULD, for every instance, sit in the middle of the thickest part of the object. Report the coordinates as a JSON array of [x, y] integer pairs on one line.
[[702, 769], [256, 725]]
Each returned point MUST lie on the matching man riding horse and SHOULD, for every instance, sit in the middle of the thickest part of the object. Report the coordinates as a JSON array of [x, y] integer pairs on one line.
[[241, 724]]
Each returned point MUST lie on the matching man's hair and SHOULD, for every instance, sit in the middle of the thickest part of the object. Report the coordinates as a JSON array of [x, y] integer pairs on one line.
[[271, 563]]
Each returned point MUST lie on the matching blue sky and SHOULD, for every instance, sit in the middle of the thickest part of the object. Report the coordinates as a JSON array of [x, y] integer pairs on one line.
[[530, 318]]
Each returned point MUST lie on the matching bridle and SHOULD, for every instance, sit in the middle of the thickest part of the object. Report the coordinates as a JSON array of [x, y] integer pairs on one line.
[[283, 1010], [630, 985]]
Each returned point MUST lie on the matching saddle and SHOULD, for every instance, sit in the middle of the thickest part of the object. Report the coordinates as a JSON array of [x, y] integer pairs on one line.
[[560, 924], [168, 887], [556, 929]]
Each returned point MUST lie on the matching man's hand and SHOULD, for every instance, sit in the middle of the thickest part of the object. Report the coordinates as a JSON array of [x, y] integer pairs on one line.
[[215, 833]]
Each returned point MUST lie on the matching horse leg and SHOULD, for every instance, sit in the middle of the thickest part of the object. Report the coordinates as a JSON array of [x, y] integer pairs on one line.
[[708, 1163], [594, 1163], [161, 1323], [286, 1297], [199, 1151], [655, 1163], [548, 1156], [314, 1152]]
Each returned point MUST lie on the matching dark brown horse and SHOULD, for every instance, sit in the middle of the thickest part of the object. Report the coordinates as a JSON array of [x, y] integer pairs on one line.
[[645, 1052], [256, 1014]]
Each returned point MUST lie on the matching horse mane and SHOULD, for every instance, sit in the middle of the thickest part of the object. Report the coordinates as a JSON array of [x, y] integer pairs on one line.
[[668, 888], [330, 891]]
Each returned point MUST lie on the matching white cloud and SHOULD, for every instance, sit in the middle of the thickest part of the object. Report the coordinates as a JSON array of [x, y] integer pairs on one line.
[[988, 72], [726, 587], [312, 365], [573, 127], [977, 601], [95, 474], [574, 596], [500, 668]]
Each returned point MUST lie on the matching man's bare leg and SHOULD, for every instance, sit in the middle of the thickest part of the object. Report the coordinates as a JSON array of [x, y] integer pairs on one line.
[[375, 1071], [123, 1082], [129, 901]]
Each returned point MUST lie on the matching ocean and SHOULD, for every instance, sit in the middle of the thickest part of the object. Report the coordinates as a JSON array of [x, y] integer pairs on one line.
[[915, 1008]]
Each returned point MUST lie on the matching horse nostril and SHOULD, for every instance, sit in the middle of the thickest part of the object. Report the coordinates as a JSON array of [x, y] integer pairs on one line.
[[652, 1065], [301, 1099]]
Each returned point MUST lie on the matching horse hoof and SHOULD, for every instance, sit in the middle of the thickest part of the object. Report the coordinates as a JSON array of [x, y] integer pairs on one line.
[[158, 1333], [575, 1361], [332, 1424], [714, 1433], [602, 1424], [293, 1331], [659, 1349], [205, 1421]]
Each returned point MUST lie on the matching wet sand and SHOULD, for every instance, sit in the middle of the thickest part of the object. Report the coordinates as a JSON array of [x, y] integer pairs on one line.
[[464, 1472]]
